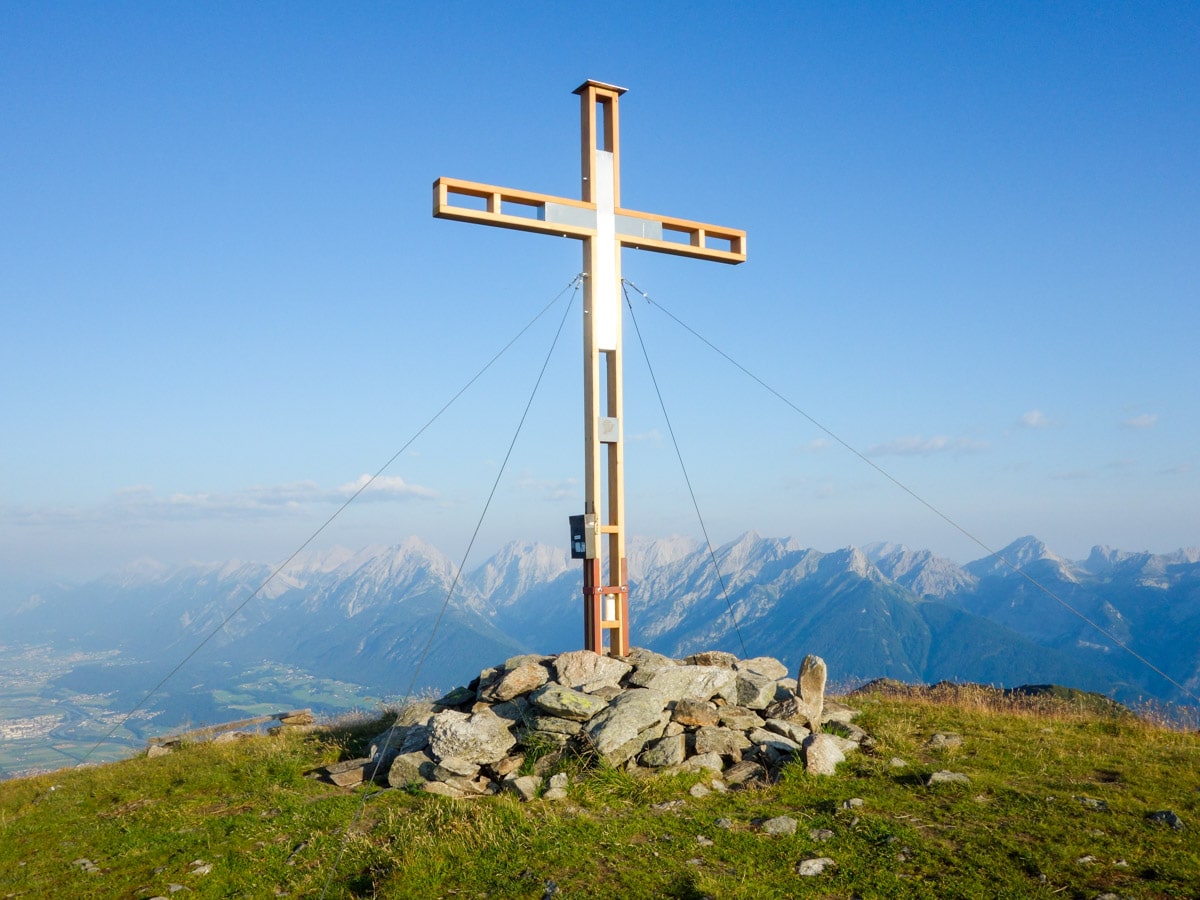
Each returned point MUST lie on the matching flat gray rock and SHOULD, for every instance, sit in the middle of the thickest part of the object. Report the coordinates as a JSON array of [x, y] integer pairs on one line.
[[566, 703], [700, 682], [589, 671], [482, 737]]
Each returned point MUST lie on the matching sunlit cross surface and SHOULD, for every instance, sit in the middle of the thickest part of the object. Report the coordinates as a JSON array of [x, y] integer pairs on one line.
[[604, 227]]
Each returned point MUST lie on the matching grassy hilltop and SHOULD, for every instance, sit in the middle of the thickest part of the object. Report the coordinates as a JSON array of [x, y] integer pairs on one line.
[[1057, 805]]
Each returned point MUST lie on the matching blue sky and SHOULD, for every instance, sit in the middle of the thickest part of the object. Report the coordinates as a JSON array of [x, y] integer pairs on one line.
[[974, 241]]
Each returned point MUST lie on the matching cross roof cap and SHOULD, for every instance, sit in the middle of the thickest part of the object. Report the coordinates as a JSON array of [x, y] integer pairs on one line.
[[600, 84]]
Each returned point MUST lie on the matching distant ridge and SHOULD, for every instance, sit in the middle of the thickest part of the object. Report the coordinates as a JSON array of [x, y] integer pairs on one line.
[[880, 611]]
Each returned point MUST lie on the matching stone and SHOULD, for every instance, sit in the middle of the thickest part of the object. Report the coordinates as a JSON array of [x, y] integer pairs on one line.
[[507, 766], [763, 665], [779, 825], [349, 772], [460, 696], [588, 671], [700, 682], [776, 748], [410, 768], [695, 713], [486, 679], [555, 794], [525, 659], [724, 741], [666, 751], [518, 681], [515, 711], [944, 740], [482, 737], [811, 691], [647, 661], [897, 763], [850, 731], [1166, 817], [837, 712], [699, 790], [703, 762], [739, 718], [743, 773], [524, 786], [299, 717], [443, 790], [821, 754], [712, 658], [793, 731], [553, 724], [789, 709], [615, 732], [1093, 804], [820, 835], [724, 823], [452, 765], [814, 866], [559, 780], [155, 750], [566, 703], [944, 777], [755, 691]]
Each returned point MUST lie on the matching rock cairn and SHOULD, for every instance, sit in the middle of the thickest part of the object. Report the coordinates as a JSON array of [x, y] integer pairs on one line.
[[741, 720]]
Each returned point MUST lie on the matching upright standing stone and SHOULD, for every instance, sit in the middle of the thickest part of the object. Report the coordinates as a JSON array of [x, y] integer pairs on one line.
[[812, 690]]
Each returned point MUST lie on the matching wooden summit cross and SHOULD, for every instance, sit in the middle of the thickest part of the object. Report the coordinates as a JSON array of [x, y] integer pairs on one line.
[[604, 226]]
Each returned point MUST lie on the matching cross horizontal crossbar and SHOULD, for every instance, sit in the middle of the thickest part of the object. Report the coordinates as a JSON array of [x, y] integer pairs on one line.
[[471, 201]]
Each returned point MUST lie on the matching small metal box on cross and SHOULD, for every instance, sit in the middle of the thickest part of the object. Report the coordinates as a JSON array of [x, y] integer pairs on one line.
[[604, 227]]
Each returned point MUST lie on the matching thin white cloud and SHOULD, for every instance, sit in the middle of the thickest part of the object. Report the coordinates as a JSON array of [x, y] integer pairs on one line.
[[550, 490], [923, 446], [1145, 420], [1035, 418], [141, 504], [815, 446]]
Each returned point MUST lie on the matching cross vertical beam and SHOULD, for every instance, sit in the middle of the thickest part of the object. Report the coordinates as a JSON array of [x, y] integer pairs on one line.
[[604, 227], [606, 592]]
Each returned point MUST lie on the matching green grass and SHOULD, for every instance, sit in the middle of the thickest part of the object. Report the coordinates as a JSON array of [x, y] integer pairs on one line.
[[266, 829]]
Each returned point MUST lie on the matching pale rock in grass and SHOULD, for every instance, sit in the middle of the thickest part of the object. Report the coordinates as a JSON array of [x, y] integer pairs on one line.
[[779, 825], [946, 777], [443, 790], [822, 754], [817, 865], [944, 740], [411, 768], [524, 786]]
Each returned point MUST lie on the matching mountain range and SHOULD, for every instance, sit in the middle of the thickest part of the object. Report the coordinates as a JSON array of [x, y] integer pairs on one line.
[[1024, 615]]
